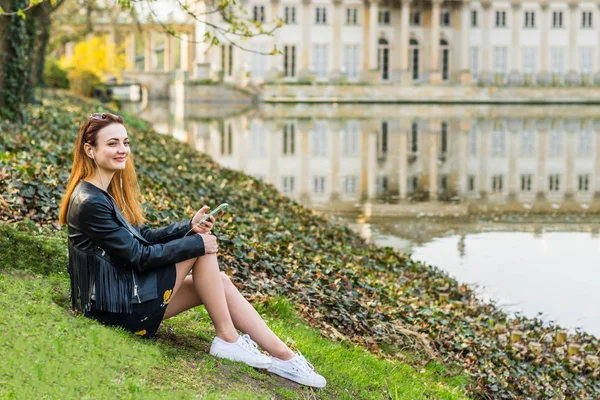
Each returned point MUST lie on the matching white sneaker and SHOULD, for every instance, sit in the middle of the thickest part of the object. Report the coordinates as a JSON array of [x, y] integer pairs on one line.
[[298, 370], [244, 350]]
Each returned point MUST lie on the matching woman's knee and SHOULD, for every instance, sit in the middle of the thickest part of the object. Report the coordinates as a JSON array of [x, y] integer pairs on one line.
[[227, 284]]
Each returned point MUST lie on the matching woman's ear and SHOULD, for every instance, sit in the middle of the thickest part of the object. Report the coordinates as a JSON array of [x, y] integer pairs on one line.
[[88, 150]]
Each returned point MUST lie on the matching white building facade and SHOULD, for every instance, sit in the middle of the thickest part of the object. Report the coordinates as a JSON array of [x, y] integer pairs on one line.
[[415, 42]]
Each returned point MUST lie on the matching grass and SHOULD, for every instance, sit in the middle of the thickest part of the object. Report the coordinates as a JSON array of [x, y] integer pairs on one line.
[[48, 352]]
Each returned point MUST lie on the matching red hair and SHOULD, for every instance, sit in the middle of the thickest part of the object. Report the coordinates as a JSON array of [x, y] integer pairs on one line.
[[85, 168]]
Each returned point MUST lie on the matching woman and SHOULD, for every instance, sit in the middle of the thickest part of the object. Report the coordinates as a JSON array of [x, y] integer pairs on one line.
[[126, 274]]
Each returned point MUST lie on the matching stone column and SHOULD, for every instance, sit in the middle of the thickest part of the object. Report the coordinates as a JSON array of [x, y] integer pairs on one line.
[[304, 127], [573, 8], [306, 24], [544, 47], [148, 51], [434, 74], [183, 54], [465, 23], [337, 60], [130, 51], [598, 48], [484, 156], [404, 42], [596, 179], [515, 127], [366, 32], [110, 45], [570, 176], [190, 54], [373, 24], [486, 51], [516, 32], [276, 62], [168, 61], [69, 50], [201, 66]]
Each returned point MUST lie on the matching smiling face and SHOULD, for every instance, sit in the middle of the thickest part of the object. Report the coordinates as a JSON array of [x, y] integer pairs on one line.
[[112, 148]]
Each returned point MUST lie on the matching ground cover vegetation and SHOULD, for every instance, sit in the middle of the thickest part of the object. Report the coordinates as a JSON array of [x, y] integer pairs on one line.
[[48, 352], [271, 246]]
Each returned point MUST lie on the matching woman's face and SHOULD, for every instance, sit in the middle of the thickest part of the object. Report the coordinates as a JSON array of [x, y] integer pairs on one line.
[[112, 147]]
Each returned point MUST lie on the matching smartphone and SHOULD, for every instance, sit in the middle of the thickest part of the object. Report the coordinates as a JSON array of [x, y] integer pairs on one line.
[[213, 212]]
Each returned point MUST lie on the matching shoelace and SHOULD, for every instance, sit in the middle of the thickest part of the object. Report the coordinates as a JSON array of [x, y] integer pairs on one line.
[[301, 363], [250, 344]]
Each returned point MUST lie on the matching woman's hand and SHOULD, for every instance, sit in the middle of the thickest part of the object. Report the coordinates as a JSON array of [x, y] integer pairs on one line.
[[206, 226], [210, 244]]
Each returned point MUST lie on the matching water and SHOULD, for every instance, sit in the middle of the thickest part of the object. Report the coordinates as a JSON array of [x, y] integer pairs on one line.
[[505, 198]]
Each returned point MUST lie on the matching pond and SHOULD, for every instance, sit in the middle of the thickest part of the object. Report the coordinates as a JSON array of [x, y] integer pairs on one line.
[[503, 197]]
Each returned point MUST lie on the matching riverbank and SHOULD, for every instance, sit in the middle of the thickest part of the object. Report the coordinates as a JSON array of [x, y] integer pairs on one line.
[[375, 297]]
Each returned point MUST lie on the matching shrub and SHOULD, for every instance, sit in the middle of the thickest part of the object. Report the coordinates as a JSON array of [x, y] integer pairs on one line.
[[83, 82], [54, 75]]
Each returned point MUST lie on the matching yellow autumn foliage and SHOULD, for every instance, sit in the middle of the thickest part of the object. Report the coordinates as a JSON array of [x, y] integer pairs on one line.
[[97, 56]]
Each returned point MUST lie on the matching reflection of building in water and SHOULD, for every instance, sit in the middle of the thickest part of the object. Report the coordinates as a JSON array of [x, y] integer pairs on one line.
[[351, 160]]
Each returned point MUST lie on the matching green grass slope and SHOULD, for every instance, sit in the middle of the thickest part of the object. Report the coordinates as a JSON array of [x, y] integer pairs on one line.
[[271, 246]]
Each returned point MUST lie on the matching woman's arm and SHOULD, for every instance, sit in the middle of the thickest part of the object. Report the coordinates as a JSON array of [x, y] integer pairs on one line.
[[98, 222], [165, 234]]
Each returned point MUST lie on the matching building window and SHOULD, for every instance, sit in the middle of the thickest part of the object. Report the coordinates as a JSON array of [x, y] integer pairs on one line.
[[350, 137], [529, 60], [257, 140], [383, 59], [500, 60], [556, 140], [497, 183], [321, 15], [584, 143], [259, 60], [554, 183], [444, 139], [414, 138], [351, 61], [500, 19], [320, 61], [413, 183], [557, 19], [473, 18], [227, 59], [289, 61], [474, 62], [226, 140], [288, 184], [381, 184], [473, 140], [319, 139], [444, 183], [319, 184], [290, 15], [586, 19], [586, 60], [529, 19], [352, 16], [527, 143], [384, 17], [414, 59], [445, 59], [382, 140], [350, 184], [498, 143], [526, 183], [584, 182], [557, 58], [471, 183], [445, 18], [259, 14], [415, 17], [289, 139]]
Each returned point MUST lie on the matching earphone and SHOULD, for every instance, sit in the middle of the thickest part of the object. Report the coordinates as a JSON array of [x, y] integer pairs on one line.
[[92, 153]]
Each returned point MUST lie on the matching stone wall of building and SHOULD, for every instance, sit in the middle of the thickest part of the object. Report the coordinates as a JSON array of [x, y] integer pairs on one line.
[[428, 94], [157, 83]]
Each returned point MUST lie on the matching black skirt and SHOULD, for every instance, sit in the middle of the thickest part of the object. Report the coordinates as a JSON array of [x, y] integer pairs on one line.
[[146, 317]]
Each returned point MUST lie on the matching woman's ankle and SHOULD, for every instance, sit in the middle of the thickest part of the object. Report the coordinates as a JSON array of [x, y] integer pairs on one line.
[[284, 355], [229, 337]]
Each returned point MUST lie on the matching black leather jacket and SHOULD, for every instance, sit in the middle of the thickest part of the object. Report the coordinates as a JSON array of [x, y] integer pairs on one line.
[[113, 264]]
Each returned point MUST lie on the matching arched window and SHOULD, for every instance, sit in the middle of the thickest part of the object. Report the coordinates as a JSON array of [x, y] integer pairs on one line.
[[383, 58], [414, 59]]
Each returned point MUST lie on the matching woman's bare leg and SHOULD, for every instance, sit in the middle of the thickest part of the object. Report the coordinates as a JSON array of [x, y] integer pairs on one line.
[[242, 314], [249, 321], [207, 282]]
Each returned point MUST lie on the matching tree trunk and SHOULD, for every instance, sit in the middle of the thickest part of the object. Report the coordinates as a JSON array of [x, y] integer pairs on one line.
[[43, 39], [14, 63], [31, 25]]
